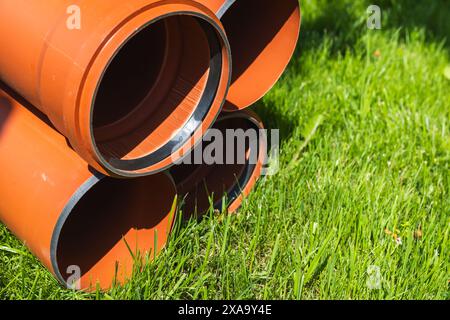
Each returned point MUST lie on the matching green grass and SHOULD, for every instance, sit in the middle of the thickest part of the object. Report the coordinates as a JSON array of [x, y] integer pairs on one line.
[[365, 150]]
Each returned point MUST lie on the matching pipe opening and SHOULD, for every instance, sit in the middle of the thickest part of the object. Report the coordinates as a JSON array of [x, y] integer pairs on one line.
[[131, 75], [197, 184], [156, 91], [110, 219], [263, 35]]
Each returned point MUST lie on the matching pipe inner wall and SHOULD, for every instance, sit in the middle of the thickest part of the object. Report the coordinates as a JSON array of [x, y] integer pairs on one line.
[[109, 225], [263, 35]]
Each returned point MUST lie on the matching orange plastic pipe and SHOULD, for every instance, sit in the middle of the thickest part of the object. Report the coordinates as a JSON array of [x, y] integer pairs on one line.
[[197, 184], [129, 83], [69, 216], [263, 35]]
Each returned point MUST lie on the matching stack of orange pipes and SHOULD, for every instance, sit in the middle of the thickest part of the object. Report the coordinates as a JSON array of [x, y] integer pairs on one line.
[[94, 119]]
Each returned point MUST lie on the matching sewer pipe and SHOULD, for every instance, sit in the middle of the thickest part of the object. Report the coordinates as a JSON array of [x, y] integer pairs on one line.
[[76, 221], [263, 35], [127, 82], [223, 183]]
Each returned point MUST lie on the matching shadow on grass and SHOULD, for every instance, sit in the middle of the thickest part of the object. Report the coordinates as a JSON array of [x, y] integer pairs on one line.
[[345, 22], [433, 15], [273, 118]]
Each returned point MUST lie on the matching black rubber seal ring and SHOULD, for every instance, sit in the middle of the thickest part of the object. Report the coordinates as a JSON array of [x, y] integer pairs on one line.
[[244, 179], [225, 8], [66, 212]]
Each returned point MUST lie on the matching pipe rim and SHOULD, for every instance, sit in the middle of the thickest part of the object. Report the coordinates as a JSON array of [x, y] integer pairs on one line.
[[84, 131], [76, 197], [251, 172], [245, 178], [235, 90], [224, 8], [195, 120], [80, 193]]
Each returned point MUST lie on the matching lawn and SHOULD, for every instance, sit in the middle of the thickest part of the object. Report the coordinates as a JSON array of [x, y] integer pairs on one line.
[[360, 208]]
